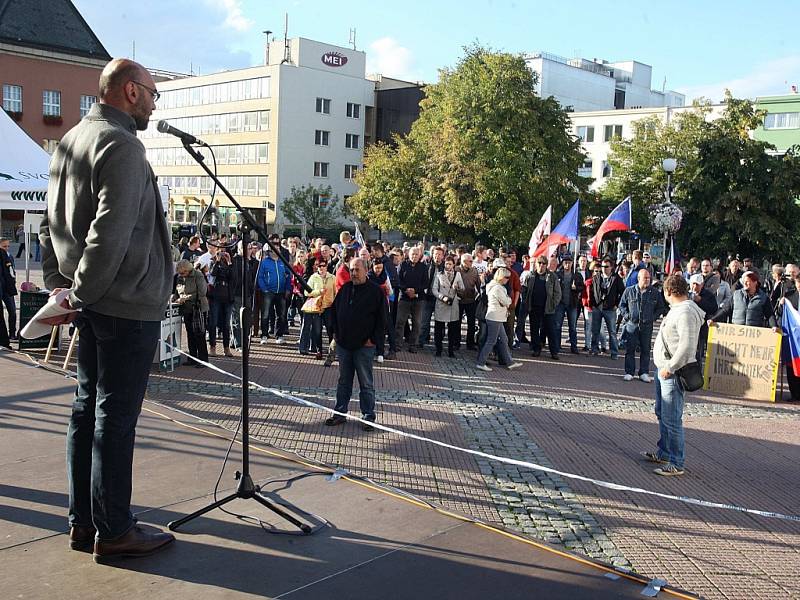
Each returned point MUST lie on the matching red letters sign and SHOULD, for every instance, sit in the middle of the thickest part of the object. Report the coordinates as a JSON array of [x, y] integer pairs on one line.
[[334, 59]]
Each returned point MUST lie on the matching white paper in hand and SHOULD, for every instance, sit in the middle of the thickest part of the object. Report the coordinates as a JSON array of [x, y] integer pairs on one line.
[[35, 328]]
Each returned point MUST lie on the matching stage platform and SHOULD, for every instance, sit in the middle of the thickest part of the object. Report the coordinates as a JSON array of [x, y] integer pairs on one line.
[[377, 544]]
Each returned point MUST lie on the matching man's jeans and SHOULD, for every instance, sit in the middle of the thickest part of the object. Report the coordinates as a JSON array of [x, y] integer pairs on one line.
[[669, 411], [428, 307], [587, 331], [358, 363], [12, 313], [638, 336], [114, 358], [279, 300], [469, 310], [610, 317], [406, 308], [220, 319], [571, 314]]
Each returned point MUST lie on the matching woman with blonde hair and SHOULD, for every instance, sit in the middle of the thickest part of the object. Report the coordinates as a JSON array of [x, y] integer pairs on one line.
[[496, 316]]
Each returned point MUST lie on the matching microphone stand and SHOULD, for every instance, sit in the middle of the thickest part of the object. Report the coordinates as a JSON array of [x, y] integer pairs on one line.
[[246, 488]]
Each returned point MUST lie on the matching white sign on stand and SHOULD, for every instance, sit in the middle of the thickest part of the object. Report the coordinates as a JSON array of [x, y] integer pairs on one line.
[[167, 355]]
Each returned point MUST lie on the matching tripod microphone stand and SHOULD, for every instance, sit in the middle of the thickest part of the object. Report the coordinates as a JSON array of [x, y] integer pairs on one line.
[[246, 489]]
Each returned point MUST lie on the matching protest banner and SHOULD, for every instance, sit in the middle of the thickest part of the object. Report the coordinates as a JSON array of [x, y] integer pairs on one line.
[[742, 361]]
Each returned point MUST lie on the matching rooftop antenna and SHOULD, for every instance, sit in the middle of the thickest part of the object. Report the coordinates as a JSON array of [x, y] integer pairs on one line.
[[266, 32], [134, 50], [664, 84], [286, 52], [352, 41]]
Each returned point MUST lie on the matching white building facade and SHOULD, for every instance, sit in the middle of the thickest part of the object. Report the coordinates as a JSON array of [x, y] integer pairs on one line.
[[584, 85], [297, 120]]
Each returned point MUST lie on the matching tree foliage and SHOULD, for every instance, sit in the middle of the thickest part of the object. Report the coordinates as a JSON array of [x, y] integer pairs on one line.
[[303, 206], [484, 159]]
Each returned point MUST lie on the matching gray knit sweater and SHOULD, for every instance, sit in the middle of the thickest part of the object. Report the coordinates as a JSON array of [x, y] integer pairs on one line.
[[104, 234], [679, 331]]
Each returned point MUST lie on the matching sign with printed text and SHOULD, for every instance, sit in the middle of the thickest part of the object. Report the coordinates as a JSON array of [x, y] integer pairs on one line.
[[334, 59], [742, 361]]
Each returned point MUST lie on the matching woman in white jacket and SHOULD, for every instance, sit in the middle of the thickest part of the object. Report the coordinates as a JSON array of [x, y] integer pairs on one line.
[[496, 317]]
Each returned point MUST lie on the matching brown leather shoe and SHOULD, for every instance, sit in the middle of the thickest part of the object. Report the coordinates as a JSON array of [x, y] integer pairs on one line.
[[81, 537], [137, 542]]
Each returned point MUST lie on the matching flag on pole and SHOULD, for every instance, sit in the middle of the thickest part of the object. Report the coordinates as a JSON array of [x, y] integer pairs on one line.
[[564, 232], [359, 238], [790, 324], [618, 220], [542, 229], [672, 260]]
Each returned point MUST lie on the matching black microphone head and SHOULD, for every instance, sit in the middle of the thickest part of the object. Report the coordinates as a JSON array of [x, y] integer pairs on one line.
[[162, 126]]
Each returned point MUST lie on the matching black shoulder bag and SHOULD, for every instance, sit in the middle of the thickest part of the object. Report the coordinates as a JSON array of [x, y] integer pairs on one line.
[[689, 375]]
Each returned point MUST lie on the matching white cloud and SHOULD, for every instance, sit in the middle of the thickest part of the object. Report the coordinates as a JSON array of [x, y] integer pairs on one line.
[[769, 78], [234, 17], [387, 57]]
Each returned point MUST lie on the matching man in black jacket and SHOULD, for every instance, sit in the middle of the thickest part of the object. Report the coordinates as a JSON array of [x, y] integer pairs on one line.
[[605, 294], [571, 290], [358, 322], [706, 300], [412, 281], [8, 286], [236, 287], [435, 266]]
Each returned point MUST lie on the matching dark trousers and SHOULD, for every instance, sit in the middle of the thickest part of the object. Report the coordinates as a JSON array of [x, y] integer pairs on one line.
[[278, 300], [791, 378], [453, 328], [356, 363], [637, 336], [220, 320], [114, 359], [543, 327], [196, 341], [521, 316], [428, 307], [571, 314], [4, 341], [12, 313], [380, 345], [311, 333], [469, 311], [406, 309]]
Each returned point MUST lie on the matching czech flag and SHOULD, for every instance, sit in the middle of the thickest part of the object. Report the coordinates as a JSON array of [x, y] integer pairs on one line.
[[563, 233], [618, 220], [672, 261], [791, 329]]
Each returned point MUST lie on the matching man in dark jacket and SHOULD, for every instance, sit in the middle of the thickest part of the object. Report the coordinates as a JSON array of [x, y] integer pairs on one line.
[[640, 306], [707, 300], [378, 255], [412, 281], [571, 290], [236, 287], [606, 292], [543, 295], [8, 286], [468, 297], [435, 266], [357, 316]]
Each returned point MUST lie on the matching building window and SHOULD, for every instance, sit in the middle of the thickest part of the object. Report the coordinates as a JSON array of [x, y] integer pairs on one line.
[[321, 137], [789, 120], [586, 133], [86, 104], [12, 98], [180, 215], [321, 169], [321, 200], [607, 170], [350, 171], [324, 106], [586, 169], [51, 103], [353, 110], [351, 140], [611, 132], [224, 123]]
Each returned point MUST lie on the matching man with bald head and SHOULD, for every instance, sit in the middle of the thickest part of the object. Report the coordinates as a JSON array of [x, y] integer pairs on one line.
[[358, 321], [105, 239]]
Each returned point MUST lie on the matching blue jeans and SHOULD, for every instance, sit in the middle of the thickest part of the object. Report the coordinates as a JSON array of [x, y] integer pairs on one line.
[[311, 333], [610, 317], [428, 306], [638, 336], [114, 358], [571, 313], [669, 411], [356, 363], [220, 319], [267, 301], [587, 331], [495, 336]]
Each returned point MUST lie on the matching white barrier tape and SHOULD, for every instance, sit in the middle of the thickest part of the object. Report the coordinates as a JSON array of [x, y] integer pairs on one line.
[[509, 461]]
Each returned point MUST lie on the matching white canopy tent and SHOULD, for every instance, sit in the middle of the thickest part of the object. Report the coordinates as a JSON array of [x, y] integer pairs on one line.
[[23, 169]]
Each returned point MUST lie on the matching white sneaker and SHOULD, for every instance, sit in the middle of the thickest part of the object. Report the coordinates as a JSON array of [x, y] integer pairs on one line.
[[483, 368], [380, 358], [646, 378], [263, 340], [628, 377], [514, 365], [280, 341]]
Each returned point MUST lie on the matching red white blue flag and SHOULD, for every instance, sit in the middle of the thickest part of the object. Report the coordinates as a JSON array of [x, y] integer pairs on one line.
[[791, 329], [618, 220], [563, 233], [672, 260]]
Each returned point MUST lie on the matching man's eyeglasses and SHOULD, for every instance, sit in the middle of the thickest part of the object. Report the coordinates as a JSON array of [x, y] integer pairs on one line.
[[154, 93]]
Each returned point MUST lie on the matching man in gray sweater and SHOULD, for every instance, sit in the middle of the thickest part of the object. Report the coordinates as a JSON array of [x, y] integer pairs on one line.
[[105, 238], [675, 347]]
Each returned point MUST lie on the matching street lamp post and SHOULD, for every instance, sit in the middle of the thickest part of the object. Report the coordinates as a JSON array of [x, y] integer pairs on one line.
[[669, 165]]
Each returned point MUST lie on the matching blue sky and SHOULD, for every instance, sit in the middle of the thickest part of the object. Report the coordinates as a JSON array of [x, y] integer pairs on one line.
[[701, 47]]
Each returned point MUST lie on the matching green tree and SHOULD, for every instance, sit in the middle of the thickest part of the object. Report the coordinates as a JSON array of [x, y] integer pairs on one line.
[[744, 197], [636, 164], [317, 207], [485, 158]]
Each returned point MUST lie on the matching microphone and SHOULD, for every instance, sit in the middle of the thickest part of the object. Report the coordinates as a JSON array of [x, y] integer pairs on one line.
[[186, 138]]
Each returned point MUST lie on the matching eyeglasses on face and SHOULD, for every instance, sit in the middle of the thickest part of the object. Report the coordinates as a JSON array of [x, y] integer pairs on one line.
[[154, 93]]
